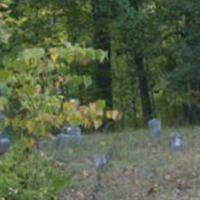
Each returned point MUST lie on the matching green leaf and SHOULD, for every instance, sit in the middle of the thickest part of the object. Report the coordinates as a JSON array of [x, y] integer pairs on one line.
[[87, 81], [100, 55], [97, 123], [5, 75], [4, 34], [100, 104], [69, 55], [80, 53], [90, 54], [3, 102], [31, 54]]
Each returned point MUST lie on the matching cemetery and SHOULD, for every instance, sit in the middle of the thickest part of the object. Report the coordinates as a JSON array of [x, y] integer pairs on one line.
[[128, 165], [99, 100]]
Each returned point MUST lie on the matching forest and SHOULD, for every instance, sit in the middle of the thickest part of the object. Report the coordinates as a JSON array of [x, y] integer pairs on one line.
[[101, 65], [151, 68]]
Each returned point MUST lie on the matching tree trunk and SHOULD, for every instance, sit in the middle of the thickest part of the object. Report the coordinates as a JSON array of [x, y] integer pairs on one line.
[[102, 73], [143, 87]]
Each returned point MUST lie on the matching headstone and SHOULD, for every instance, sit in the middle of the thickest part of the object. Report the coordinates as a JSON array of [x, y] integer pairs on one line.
[[68, 135], [4, 144], [154, 127], [108, 126], [72, 131], [176, 142], [58, 91], [2, 117], [38, 143], [2, 90], [100, 161], [75, 102]]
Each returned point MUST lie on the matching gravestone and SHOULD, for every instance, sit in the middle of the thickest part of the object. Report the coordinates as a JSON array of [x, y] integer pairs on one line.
[[100, 161], [67, 136], [2, 117], [75, 102], [176, 142], [73, 131], [4, 144], [154, 127]]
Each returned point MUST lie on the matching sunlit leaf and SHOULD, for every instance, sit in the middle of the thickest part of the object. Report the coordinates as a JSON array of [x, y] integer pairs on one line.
[[5, 75], [87, 81], [100, 104]]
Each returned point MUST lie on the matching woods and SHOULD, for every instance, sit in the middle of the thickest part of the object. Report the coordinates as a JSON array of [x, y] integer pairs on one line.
[[152, 64]]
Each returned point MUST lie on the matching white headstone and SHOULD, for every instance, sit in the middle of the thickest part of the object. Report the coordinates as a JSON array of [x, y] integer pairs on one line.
[[176, 142]]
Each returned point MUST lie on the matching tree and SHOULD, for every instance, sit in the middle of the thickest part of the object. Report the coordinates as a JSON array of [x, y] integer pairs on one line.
[[102, 40], [36, 75], [135, 25]]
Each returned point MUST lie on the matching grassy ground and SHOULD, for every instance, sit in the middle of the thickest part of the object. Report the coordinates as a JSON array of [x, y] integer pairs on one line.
[[139, 167]]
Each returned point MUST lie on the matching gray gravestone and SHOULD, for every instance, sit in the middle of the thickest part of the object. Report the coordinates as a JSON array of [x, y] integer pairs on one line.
[[154, 127], [100, 161], [2, 117], [73, 131], [68, 135], [4, 144], [176, 142]]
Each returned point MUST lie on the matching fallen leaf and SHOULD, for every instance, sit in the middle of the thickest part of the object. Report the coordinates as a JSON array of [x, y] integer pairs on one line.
[[85, 173], [152, 189], [80, 195]]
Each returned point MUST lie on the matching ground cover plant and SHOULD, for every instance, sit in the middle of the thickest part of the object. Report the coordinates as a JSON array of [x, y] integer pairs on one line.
[[27, 175]]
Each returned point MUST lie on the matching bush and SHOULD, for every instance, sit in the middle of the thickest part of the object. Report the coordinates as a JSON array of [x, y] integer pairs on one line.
[[28, 176]]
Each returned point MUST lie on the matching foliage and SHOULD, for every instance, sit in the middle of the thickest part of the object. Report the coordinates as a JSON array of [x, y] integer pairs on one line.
[[35, 79], [163, 35], [40, 81], [26, 175]]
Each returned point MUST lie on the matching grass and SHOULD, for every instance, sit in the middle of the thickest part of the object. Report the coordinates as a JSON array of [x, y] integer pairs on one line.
[[139, 167]]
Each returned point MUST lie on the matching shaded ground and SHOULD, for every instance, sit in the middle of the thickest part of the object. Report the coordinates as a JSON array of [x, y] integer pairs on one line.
[[139, 168]]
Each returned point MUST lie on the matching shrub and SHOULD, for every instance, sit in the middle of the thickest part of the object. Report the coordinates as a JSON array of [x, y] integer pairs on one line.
[[28, 176]]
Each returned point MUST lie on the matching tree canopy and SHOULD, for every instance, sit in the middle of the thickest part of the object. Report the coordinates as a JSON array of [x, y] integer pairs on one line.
[[141, 57]]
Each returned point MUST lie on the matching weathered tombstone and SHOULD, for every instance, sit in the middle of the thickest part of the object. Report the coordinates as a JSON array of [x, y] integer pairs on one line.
[[73, 131], [100, 161], [107, 127], [176, 142], [2, 117], [68, 135], [154, 127], [38, 143], [4, 144], [75, 102], [2, 90]]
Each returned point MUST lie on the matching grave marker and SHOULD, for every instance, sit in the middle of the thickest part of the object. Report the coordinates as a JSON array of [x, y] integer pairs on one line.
[[67, 136], [176, 142], [100, 161], [4, 144], [154, 127]]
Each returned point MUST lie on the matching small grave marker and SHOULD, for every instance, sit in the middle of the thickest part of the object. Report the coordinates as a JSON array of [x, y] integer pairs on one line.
[[2, 117], [68, 135], [154, 127], [100, 161], [176, 142], [4, 144]]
